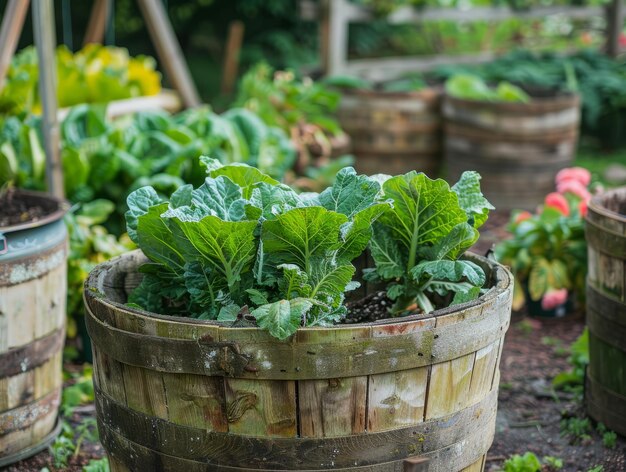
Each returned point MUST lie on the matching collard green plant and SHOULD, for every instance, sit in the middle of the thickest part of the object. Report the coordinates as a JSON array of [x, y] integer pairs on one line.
[[244, 243], [416, 244]]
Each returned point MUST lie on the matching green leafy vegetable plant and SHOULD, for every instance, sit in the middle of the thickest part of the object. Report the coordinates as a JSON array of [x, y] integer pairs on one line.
[[579, 359], [242, 244], [472, 87], [416, 245], [528, 462], [97, 465]]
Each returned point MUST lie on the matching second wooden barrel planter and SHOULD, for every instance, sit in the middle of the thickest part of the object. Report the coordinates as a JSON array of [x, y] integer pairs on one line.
[[393, 132], [32, 326], [605, 392], [178, 394], [518, 148]]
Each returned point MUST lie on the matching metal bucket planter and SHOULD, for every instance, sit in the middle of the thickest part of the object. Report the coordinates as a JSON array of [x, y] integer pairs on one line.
[[393, 132], [518, 148], [605, 392], [32, 329], [178, 394]]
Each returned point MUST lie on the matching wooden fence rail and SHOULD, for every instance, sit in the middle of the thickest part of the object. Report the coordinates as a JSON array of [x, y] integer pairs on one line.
[[335, 17]]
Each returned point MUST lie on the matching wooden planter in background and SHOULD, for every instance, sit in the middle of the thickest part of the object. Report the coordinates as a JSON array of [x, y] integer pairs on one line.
[[393, 132], [178, 394], [517, 148], [605, 392], [33, 294]]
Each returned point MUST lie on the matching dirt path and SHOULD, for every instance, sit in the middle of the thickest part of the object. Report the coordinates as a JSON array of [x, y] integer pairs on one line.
[[530, 412]]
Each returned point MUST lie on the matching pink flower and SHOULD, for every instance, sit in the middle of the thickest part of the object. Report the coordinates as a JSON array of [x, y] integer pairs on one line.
[[553, 298], [579, 174], [558, 202], [573, 186], [522, 216], [622, 40], [582, 208]]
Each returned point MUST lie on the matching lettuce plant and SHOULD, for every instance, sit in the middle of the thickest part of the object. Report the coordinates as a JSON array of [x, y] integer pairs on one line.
[[417, 243], [242, 243]]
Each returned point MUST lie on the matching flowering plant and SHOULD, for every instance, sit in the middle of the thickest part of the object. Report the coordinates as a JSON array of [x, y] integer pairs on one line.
[[548, 252]]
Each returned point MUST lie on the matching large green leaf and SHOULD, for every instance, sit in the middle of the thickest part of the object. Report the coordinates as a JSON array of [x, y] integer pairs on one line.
[[300, 234], [282, 318], [158, 284], [329, 280], [155, 236], [351, 193], [271, 200], [204, 288], [390, 258], [471, 198], [139, 202], [451, 271], [227, 248], [294, 283], [423, 212], [357, 197], [452, 245], [244, 176]]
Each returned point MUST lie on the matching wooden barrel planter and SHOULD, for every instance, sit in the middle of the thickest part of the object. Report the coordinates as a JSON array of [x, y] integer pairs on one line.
[[32, 328], [178, 394], [393, 132], [605, 392], [517, 148]]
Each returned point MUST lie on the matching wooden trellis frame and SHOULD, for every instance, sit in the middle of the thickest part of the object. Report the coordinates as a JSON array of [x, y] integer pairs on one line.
[[163, 38], [335, 17]]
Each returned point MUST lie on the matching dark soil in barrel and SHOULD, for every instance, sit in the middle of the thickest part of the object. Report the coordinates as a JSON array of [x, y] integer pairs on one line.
[[374, 307], [15, 210]]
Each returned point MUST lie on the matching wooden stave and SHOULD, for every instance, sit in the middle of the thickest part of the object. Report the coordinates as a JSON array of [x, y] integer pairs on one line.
[[605, 392], [540, 117], [474, 142], [102, 364]]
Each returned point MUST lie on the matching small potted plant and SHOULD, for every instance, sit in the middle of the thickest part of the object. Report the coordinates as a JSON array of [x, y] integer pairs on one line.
[[547, 252]]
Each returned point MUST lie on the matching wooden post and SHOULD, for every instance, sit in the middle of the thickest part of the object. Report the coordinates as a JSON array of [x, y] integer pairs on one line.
[[10, 31], [45, 42], [615, 24], [323, 35], [337, 37], [231, 59], [417, 464], [97, 22], [169, 51]]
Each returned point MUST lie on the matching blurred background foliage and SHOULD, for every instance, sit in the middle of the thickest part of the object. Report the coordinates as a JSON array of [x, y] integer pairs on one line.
[[275, 33]]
